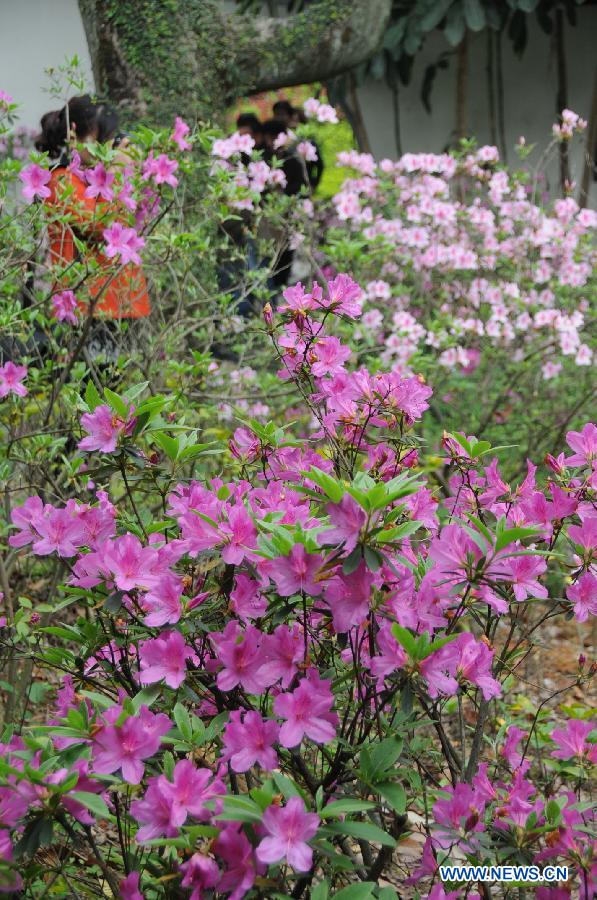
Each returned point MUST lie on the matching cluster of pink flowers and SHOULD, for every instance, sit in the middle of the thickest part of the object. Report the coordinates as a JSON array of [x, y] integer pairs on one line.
[[465, 274], [323, 112], [571, 123]]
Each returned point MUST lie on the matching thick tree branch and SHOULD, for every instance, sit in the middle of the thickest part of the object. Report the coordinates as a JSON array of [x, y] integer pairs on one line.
[[157, 58]]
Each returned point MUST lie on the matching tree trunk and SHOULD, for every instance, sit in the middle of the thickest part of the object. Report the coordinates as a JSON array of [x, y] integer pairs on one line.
[[562, 97], [590, 147], [462, 89], [158, 58], [490, 72]]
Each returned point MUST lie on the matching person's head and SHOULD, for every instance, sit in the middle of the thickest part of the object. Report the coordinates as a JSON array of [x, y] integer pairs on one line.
[[283, 111], [272, 128], [81, 121], [248, 123], [297, 118]]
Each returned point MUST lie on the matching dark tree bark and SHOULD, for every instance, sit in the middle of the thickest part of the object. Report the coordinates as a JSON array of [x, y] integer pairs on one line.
[[462, 89], [590, 148], [159, 57]]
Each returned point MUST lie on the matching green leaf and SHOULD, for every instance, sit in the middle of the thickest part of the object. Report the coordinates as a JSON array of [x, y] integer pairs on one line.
[[510, 535], [183, 721], [398, 533], [320, 891], [437, 12], [405, 639], [394, 794], [363, 830], [169, 445], [330, 486], [363, 890], [342, 807], [373, 559], [240, 809], [147, 696], [116, 403], [353, 561], [285, 785], [474, 15], [92, 397], [383, 756], [93, 802], [133, 392], [437, 644]]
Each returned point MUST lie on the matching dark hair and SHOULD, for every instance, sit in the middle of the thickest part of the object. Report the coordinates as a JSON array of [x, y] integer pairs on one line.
[[282, 107], [248, 120], [87, 117], [274, 127]]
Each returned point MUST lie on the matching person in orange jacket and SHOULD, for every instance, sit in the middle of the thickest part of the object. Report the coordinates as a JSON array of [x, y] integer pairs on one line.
[[78, 234]]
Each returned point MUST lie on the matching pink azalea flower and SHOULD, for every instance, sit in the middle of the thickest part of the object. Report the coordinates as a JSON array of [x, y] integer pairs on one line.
[[248, 740], [233, 846], [391, 656], [510, 750], [99, 182], [348, 597], [296, 572], [189, 791], [584, 596], [585, 534], [161, 169], [123, 242], [455, 554], [240, 654], [26, 518], [523, 572], [35, 182], [307, 150], [344, 296], [163, 602], [460, 812], [125, 746], [181, 129], [283, 650], [11, 378], [155, 813], [128, 561], [59, 532], [347, 519], [327, 356], [129, 887], [584, 444], [308, 712], [165, 658], [241, 535], [288, 828], [200, 874], [573, 740], [246, 599], [64, 307], [474, 664], [104, 428]]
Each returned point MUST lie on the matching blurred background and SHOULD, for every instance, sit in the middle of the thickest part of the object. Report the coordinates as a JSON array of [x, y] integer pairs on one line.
[[413, 75]]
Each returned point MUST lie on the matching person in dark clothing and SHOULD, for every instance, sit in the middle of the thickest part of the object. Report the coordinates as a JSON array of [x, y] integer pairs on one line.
[[292, 165], [297, 180], [283, 111]]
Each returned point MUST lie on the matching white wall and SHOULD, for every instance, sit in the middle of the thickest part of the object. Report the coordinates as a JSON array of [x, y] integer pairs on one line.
[[36, 35], [530, 87]]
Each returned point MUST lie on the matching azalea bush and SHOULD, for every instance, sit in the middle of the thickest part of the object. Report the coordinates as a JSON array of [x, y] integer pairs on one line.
[[265, 671], [267, 629], [475, 277]]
